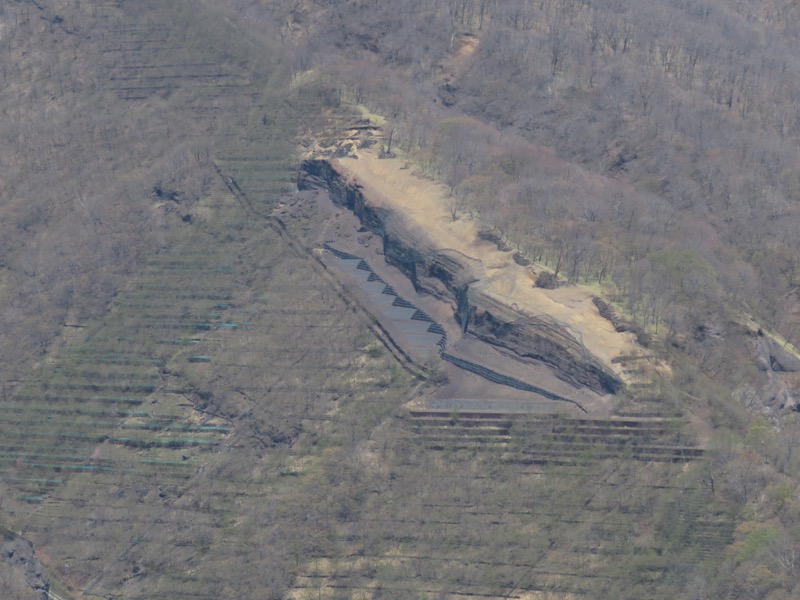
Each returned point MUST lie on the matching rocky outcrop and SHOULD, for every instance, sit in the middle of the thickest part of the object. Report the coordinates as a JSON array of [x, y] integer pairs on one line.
[[773, 357], [320, 174], [451, 275], [17, 554]]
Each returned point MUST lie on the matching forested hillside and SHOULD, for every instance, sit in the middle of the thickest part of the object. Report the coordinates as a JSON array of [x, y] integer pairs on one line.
[[194, 406], [692, 104]]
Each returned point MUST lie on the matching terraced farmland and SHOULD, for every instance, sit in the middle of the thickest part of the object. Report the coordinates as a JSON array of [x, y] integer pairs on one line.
[[110, 411], [554, 439], [114, 387], [154, 450]]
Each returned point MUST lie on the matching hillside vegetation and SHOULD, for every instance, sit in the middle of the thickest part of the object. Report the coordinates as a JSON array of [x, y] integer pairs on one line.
[[193, 406]]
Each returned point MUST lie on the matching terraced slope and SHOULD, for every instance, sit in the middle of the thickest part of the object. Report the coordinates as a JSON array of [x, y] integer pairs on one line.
[[115, 387], [104, 387], [164, 452], [508, 506], [554, 439], [142, 458]]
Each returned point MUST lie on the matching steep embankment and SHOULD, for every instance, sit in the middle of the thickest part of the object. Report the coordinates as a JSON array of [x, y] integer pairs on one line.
[[493, 296]]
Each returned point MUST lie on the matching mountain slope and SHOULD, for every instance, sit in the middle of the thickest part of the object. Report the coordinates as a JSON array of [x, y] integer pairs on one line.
[[194, 407]]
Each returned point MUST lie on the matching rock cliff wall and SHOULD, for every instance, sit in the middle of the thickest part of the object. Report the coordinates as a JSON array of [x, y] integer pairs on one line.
[[450, 275]]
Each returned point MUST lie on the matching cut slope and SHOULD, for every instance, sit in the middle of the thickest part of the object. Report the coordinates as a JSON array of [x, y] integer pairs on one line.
[[423, 206]]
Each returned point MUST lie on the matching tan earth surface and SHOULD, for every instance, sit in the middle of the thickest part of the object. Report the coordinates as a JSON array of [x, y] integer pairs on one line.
[[422, 204]]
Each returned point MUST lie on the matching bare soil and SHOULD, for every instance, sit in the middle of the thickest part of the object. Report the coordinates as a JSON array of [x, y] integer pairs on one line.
[[422, 204]]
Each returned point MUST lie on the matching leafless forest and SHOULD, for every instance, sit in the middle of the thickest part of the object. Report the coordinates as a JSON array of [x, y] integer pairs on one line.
[[190, 406]]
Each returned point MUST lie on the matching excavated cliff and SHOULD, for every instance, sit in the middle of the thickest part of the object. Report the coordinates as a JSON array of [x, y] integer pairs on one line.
[[456, 277]]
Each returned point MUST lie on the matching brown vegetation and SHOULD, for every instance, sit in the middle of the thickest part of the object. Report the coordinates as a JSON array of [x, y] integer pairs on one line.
[[190, 408]]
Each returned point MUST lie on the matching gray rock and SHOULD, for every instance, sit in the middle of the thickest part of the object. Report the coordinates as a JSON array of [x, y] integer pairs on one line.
[[771, 356], [18, 553]]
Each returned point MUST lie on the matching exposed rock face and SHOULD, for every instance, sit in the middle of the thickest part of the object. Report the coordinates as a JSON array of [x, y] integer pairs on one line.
[[17, 553], [320, 174], [771, 356], [537, 338], [451, 275]]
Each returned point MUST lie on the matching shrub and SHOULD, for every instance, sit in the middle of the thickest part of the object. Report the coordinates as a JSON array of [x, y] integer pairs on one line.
[[547, 280]]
